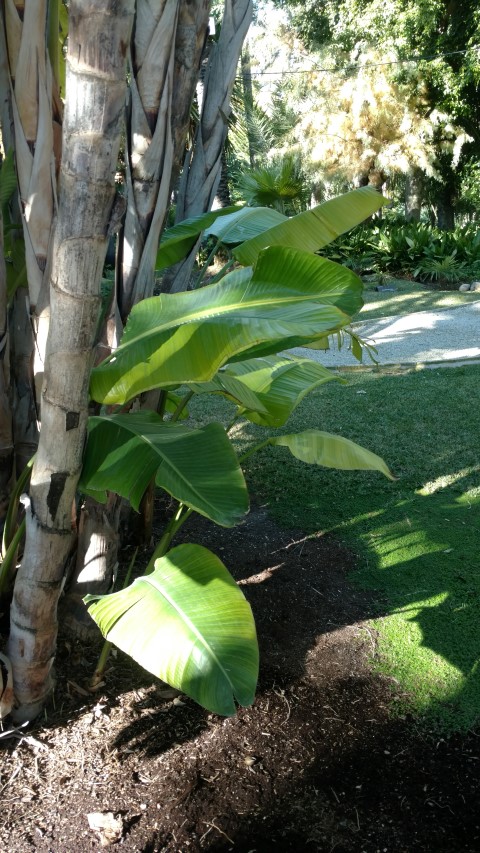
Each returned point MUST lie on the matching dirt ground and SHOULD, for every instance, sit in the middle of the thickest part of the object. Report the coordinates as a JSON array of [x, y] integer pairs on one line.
[[317, 764]]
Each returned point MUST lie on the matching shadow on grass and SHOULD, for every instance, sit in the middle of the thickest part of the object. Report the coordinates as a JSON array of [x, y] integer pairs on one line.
[[418, 538]]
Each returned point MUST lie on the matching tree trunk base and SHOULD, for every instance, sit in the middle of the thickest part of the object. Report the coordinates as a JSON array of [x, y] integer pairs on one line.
[[75, 618]]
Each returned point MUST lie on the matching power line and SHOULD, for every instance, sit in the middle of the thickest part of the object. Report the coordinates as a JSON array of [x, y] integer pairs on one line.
[[335, 72]]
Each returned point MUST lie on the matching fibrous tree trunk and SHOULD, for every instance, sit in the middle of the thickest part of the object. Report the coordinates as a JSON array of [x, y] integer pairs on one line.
[[165, 58], [202, 166], [36, 110], [192, 29], [99, 35]]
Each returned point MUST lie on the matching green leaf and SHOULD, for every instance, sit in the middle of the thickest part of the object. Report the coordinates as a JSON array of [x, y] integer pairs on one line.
[[317, 227], [291, 299], [268, 389], [332, 451], [177, 241], [244, 224], [172, 403], [8, 179], [198, 467], [189, 624]]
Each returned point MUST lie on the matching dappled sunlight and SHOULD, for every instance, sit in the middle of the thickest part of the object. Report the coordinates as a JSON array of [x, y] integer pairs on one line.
[[446, 480], [415, 538], [409, 324], [403, 546], [418, 300], [419, 337], [430, 631]]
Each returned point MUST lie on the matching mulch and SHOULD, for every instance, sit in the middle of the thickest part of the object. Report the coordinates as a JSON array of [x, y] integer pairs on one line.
[[318, 763]]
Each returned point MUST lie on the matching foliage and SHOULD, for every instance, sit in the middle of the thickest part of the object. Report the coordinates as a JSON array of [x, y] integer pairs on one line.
[[419, 61], [417, 249], [368, 121], [217, 340], [198, 618], [14, 246], [416, 539], [281, 185]]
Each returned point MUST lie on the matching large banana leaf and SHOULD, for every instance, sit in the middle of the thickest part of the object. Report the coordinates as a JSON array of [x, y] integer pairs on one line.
[[268, 389], [292, 298], [315, 228], [332, 451], [244, 224], [198, 467], [189, 624], [180, 239]]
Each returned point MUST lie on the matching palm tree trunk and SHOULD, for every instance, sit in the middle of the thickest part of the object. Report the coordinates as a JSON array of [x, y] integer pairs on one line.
[[248, 100], [98, 41], [203, 163]]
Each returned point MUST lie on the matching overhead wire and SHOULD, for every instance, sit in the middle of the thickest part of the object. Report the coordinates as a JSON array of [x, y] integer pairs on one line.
[[336, 72]]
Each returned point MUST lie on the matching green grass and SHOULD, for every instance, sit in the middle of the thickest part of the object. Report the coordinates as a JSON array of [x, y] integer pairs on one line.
[[408, 297], [417, 538]]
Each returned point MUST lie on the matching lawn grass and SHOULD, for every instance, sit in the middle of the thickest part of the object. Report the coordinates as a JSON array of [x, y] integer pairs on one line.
[[409, 296], [417, 538]]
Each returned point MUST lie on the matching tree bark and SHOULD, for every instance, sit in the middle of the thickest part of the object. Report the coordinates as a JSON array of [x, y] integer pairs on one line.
[[37, 121], [202, 165], [166, 52], [414, 194], [99, 35], [192, 31], [155, 130], [445, 211], [248, 100]]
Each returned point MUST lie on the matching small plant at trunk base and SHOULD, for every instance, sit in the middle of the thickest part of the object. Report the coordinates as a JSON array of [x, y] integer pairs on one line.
[[185, 619]]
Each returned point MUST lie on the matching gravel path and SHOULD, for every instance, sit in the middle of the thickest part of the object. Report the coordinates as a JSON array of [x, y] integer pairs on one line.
[[422, 337]]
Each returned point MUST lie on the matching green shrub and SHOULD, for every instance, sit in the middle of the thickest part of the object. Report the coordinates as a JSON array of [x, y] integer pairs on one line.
[[410, 249]]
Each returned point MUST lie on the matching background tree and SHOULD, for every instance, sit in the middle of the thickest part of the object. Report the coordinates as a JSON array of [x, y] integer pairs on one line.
[[448, 84]]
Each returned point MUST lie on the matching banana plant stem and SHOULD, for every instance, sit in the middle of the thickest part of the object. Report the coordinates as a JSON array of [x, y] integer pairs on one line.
[[10, 520], [53, 39], [9, 558], [178, 411], [207, 264], [254, 450], [171, 529], [226, 267]]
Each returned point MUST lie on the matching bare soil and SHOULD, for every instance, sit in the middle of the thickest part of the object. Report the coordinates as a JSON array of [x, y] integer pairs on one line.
[[318, 763]]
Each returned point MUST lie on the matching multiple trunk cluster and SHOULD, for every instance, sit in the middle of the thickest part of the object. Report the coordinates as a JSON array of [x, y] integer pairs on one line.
[[69, 208]]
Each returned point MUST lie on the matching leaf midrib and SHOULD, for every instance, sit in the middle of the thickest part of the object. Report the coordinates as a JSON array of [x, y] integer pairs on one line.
[[164, 460], [210, 314], [159, 587]]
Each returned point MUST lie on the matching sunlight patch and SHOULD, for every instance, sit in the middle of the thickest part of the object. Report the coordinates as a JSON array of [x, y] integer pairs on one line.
[[446, 480]]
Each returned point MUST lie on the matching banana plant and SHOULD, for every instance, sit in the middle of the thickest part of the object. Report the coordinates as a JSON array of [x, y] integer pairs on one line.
[[185, 620]]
